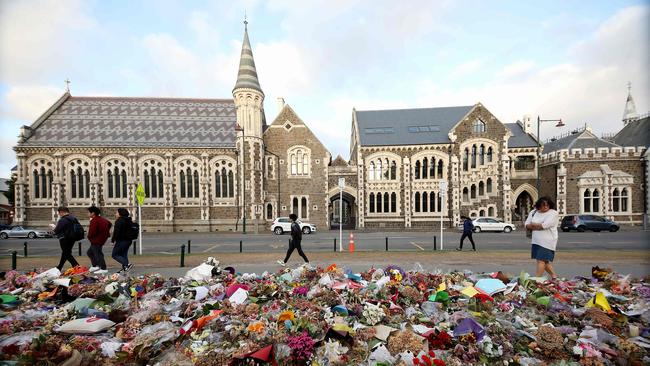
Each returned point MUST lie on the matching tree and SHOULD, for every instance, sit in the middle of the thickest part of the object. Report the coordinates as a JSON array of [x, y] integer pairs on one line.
[[11, 191]]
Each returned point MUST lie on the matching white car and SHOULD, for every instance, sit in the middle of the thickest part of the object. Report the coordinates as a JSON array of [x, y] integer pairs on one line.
[[283, 225], [490, 224], [20, 232]]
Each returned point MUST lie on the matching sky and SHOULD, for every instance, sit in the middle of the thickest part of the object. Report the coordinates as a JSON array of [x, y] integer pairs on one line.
[[556, 59]]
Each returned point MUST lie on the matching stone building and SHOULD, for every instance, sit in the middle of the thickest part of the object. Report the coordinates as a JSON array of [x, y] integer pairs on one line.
[[402, 156], [608, 177]]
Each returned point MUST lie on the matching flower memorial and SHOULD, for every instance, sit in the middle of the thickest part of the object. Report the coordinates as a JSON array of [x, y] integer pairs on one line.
[[322, 316]]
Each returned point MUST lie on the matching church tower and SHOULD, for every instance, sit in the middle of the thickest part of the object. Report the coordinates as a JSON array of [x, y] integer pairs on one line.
[[629, 114], [249, 99]]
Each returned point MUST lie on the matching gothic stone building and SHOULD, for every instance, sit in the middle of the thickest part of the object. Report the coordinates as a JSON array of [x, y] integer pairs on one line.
[[606, 177]]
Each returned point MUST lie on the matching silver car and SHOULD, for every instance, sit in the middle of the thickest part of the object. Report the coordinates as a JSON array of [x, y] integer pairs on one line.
[[20, 232]]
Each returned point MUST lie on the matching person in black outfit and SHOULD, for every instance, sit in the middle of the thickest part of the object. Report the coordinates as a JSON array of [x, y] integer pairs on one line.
[[122, 238], [294, 243], [468, 228], [62, 231]]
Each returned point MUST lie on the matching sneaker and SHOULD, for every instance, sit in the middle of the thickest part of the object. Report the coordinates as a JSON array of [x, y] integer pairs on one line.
[[128, 267], [101, 271], [458, 249], [281, 263], [93, 269], [474, 249]]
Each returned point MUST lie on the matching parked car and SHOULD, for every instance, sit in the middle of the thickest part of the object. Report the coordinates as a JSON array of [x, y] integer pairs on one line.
[[588, 222], [490, 224], [20, 232], [283, 225]]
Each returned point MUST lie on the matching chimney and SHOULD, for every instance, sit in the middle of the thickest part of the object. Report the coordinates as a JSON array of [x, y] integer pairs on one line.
[[280, 104], [527, 124]]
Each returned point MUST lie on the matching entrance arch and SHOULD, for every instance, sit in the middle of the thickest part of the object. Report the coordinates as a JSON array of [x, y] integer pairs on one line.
[[348, 218], [524, 200]]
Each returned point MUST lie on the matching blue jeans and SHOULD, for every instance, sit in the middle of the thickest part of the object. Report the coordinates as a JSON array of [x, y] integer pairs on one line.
[[121, 252]]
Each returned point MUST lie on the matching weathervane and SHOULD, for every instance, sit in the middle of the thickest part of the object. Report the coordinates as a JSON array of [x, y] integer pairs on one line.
[[67, 85], [245, 21]]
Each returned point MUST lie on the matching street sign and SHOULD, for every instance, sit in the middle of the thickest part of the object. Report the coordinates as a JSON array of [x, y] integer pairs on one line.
[[341, 183], [443, 187], [140, 194]]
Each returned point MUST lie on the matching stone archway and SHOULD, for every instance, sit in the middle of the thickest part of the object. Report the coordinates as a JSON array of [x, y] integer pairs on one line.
[[523, 204], [349, 214]]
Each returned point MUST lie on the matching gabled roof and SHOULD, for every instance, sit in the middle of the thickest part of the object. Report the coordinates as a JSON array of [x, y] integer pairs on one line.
[[635, 133], [408, 126], [578, 140], [247, 76], [339, 161], [520, 138], [141, 122], [4, 184]]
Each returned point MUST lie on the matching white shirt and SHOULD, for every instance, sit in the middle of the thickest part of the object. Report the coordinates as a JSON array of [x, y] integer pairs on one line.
[[546, 238]]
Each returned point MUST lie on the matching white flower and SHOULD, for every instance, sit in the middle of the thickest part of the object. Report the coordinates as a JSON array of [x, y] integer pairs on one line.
[[372, 313]]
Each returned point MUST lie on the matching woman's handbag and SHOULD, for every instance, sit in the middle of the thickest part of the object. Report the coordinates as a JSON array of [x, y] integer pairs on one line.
[[529, 233]]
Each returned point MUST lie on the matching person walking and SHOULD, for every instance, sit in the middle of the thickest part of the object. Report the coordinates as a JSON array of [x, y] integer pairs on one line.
[[294, 243], [543, 221], [67, 230], [468, 229], [122, 236], [98, 231]]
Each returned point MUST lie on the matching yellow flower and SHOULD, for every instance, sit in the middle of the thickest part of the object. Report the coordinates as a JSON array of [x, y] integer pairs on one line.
[[286, 315]]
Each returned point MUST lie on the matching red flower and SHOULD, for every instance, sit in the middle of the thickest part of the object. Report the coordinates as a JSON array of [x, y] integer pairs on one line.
[[438, 362], [432, 354]]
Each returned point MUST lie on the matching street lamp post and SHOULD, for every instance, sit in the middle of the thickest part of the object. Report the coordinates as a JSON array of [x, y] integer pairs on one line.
[[539, 145]]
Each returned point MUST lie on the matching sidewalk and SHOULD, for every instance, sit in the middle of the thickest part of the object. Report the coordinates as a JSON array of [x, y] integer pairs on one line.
[[567, 263]]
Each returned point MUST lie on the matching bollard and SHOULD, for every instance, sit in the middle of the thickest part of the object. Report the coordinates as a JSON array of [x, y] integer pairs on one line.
[[435, 247], [183, 255], [25, 248], [386, 243], [189, 246], [80, 249], [334, 245], [240, 246], [14, 257], [134, 245]]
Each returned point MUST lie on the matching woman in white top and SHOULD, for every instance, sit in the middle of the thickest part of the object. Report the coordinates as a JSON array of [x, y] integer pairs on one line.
[[543, 221]]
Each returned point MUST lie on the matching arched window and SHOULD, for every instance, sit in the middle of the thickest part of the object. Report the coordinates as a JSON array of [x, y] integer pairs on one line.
[[478, 126], [371, 171], [473, 191], [154, 187], [378, 170], [299, 158], [440, 169], [432, 202], [488, 185], [465, 195], [432, 168], [417, 201], [153, 179], [425, 168], [379, 203], [481, 155], [269, 211], [616, 200], [295, 206], [79, 179], [73, 184], [481, 190], [586, 200], [624, 200], [303, 208], [300, 162], [109, 180], [386, 173], [371, 203], [489, 154], [465, 159], [37, 187], [183, 184], [294, 165], [115, 179], [417, 169], [481, 212], [393, 202], [473, 156], [425, 202], [393, 170], [491, 212], [386, 202], [224, 179], [595, 203]]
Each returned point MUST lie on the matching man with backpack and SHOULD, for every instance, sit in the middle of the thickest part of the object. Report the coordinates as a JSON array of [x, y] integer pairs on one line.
[[68, 230], [124, 231]]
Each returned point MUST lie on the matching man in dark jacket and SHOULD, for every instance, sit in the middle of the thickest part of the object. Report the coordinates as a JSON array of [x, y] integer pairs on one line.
[[468, 229], [62, 230], [98, 231], [294, 243], [122, 238]]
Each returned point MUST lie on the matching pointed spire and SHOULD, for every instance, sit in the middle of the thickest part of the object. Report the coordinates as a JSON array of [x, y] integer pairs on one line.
[[247, 76], [629, 114]]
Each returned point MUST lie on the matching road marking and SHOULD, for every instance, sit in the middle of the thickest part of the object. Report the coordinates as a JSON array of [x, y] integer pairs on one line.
[[211, 248], [417, 246]]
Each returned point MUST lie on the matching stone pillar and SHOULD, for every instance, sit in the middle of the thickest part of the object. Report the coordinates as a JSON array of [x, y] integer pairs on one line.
[[406, 178], [454, 199], [560, 188], [20, 190]]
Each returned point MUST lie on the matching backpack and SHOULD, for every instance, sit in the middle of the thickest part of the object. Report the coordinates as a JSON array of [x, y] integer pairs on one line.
[[133, 230], [75, 231]]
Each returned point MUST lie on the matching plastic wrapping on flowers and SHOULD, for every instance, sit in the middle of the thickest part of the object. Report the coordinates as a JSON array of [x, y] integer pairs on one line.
[[323, 316]]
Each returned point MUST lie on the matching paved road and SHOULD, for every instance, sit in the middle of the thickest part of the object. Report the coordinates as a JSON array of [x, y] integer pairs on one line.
[[632, 239]]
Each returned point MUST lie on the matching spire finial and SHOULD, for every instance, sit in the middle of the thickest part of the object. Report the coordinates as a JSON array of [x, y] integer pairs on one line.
[[245, 21], [67, 85], [629, 114], [629, 87]]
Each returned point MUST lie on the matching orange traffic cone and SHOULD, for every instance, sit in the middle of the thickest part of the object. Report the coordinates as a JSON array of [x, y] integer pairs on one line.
[[351, 245]]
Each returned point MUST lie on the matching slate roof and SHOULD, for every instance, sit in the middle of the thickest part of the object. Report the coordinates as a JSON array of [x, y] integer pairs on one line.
[[580, 140], [408, 126], [141, 122], [519, 138], [635, 133], [4, 186]]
